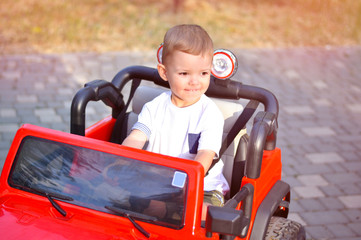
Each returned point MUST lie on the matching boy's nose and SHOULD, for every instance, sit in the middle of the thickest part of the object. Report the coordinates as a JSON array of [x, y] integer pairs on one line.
[[193, 80]]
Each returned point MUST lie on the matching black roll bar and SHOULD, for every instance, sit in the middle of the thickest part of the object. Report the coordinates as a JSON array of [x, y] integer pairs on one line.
[[140, 72], [93, 91], [228, 89], [263, 137]]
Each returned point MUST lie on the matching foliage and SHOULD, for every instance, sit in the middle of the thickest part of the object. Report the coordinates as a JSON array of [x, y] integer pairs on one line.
[[115, 25]]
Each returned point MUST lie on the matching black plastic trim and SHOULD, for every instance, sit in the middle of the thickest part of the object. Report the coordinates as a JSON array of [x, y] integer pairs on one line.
[[263, 136], [228, 221], [267, 208]]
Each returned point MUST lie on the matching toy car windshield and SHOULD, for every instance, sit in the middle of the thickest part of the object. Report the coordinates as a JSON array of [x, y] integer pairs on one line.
[[101, 181]]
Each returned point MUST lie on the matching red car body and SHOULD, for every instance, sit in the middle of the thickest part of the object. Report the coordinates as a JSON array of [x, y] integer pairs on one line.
[[25, 215]]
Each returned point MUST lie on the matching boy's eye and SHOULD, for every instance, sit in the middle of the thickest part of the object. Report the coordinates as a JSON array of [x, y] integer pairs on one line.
[[183, 73], [205, 73]]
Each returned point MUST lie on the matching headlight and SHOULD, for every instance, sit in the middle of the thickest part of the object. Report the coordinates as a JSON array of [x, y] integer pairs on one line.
[[224, 64]]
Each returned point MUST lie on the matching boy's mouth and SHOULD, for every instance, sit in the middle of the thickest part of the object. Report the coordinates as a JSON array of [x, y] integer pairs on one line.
[[191, 90]]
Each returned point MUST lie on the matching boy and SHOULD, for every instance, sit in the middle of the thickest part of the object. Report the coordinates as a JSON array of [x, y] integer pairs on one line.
[[184, 122]]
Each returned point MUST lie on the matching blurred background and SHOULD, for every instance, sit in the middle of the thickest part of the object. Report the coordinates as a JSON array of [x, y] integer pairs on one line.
[[58, 26], [307, 52]]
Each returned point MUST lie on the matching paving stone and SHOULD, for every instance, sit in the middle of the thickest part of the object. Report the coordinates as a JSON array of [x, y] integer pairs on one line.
[[8, 136], [39, 86], [29, 105], [62, 98], [355, 88], [342, 178], [356, 228], [292, 74], [7, 113], [61, 126], [312, 168], [10, 120], [57, 105], [341, 230], [50, 119], [8, 127], [337, 167], [351, 157], [324, 157], [288, 170], [12, 75], [318, 131], [66, 91], [312, 204], [308, 192], [44, 112], [324, 217], [299, 109], [292, 181], [351, 201], [297, 218], [11, 65], [295, 206], [322, 102], [355, 108], [332, 203], [26, 98], [319, 232], [64, 68], [30, 119], [353, 214], [52, 79], [312, 180], [320, 85]]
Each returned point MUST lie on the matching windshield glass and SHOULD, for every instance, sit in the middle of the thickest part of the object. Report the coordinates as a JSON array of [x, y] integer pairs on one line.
[[101, 181]]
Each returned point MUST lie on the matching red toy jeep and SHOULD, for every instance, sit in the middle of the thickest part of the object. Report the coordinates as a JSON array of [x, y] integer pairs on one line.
[[84, 185]]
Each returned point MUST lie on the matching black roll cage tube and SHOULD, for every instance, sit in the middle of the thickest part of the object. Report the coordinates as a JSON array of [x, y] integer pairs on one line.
[[93, 91]]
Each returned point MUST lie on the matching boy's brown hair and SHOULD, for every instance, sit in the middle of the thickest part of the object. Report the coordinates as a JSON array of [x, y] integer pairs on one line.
[[188, 38]]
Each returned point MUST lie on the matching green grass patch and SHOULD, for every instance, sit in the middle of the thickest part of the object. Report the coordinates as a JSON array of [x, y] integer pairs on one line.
[[115, 25]]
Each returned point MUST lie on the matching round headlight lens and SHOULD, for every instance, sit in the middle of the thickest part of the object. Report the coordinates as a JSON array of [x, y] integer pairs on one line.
[[224, 64]]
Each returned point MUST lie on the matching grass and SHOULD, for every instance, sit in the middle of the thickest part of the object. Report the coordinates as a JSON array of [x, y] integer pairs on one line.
[[53, 26]]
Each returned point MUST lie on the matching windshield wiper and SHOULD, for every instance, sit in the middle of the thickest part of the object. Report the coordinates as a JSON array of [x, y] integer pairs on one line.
[[130, 215], [50, 196]]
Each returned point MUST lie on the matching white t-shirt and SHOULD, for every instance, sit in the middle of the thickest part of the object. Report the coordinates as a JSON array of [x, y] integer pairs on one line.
[[182, 132]]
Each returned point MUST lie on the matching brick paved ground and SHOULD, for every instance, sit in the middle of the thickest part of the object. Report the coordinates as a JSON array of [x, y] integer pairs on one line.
[[319, 91]]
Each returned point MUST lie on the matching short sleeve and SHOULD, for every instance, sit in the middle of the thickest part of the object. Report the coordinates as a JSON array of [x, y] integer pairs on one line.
[[144, 121]]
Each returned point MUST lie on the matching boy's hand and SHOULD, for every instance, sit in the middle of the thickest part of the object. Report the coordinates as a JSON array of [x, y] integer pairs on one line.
[[205, 157], [135, 139]]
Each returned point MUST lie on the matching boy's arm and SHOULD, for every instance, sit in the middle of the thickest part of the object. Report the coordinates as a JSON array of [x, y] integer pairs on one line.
[[135, 139], [205, 157]]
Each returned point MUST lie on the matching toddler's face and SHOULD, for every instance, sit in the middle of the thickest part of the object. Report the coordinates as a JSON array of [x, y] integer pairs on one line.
[[188, 76]]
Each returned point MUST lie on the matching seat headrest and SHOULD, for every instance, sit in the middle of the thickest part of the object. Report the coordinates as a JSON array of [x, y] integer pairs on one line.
[[143, 95]]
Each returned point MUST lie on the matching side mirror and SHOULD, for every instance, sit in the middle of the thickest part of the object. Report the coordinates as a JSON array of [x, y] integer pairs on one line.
[[225, 220]]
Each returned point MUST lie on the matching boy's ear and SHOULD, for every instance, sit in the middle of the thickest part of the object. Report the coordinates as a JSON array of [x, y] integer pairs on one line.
[[162, 71]]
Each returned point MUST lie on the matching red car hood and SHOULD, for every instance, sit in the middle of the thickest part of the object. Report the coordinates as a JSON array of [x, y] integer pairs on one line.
[[19, 220]]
